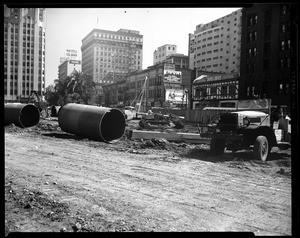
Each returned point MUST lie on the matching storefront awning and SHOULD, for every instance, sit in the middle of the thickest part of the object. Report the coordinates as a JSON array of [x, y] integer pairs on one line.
[[200, 79]]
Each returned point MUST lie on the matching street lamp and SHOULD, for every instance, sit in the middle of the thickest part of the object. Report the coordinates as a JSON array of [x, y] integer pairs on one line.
[[186, 97]]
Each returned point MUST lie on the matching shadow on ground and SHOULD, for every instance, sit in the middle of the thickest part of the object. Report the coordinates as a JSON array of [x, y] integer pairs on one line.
[[64, 136], [244, 155]]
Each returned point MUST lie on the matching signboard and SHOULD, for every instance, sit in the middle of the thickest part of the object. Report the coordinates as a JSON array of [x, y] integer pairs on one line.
[[175, 96], [206, 78], [71, 54], [74, 61], [170, 75]]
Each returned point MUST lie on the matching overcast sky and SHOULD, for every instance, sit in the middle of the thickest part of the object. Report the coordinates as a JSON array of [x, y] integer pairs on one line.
[[66, 27]]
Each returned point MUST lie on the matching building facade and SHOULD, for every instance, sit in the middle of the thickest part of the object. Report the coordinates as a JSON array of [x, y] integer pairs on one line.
[[266, 53], [216, 46], [208, 90], [160, 85], [106, 51], [180, 60], [162, 52], [67, 67], [24, 52]]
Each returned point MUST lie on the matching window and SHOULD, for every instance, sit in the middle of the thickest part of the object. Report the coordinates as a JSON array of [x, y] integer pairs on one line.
[[213, 90], [232, 90], [284, 9], [283, 29], [223, 90], [282, 45]]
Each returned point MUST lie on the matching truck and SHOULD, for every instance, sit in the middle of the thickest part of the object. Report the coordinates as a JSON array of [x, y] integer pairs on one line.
[[247, 124]]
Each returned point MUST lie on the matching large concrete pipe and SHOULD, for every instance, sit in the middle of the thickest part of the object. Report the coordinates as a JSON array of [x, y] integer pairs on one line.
[[96, 123], [22, 115]]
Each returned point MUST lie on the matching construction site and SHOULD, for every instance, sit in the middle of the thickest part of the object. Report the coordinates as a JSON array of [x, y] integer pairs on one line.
[[78, 172]]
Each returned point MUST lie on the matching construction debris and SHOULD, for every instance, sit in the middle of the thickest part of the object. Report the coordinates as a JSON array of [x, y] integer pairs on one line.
[[168, 135]]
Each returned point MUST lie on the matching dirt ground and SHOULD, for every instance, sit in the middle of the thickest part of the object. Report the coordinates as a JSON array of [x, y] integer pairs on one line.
[[58, 182]]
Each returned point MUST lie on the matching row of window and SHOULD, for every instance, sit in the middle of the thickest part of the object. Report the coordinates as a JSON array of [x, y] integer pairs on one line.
[[117, 37], [155, 81], [222, 90], [284, 63], [282, 88], [152, 93], [169, 48]]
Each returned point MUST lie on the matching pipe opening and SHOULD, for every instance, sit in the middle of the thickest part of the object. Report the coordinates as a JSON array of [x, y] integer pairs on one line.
[[112, 125], [29, 115]]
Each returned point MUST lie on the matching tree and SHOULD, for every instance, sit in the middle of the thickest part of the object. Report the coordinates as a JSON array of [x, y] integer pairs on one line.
[[51, 96], [76, 88]]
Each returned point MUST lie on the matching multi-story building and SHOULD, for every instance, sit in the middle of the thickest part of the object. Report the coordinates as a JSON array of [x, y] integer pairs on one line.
[[161, 85], [266, 53], [208, 90], [106, 51], [215, 46], [66, 68], [180, 60], [162, 52], [24, 52], [117, 52]]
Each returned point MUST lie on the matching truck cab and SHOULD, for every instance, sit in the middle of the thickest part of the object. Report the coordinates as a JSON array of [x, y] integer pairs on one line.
[[247, 125]]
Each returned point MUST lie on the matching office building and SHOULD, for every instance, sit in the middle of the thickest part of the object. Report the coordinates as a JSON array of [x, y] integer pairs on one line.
[[106, 51], [24, 52], [215, 46], [266, 53]]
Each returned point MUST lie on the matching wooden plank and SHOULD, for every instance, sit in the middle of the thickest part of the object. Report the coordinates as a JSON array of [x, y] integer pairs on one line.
[[170, 136]]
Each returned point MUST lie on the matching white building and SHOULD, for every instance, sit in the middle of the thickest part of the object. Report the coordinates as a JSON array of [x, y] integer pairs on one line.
[[66, 68], [162, 52], [216, 46]]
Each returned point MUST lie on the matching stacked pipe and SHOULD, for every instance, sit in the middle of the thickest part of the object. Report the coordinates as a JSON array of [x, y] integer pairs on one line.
[[22, 115], [96, 123]]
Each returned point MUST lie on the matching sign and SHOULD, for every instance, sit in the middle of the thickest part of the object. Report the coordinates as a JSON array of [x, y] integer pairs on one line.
[[71, 54], [170, 75], [206, 78], [175, 96], [74, 61]]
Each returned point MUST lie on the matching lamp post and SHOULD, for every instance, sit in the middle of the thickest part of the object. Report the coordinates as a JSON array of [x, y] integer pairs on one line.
[[186, 97]]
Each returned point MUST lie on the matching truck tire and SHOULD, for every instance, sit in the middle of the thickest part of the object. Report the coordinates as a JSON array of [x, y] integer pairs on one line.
[[217, 146], [261, 148]]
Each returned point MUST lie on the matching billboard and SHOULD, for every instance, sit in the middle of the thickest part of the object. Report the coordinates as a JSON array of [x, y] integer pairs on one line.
[[176, 95], [71, 54], [171, 75]]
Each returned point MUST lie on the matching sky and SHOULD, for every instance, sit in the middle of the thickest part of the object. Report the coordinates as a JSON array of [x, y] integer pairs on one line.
[[66, 27]]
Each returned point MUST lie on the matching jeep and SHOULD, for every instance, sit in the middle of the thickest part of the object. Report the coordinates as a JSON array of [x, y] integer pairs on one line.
[[241, 129]]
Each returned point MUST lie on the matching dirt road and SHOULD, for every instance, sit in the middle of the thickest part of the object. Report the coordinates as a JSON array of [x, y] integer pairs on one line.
[[55, 181]]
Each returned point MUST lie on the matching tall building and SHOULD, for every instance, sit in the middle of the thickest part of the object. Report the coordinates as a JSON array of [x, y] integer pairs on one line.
[[215, 46], [266, 53], [66, 68], [162, 52], [24, 52], [106, 51]]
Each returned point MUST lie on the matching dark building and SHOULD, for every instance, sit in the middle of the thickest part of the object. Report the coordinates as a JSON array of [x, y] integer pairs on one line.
[[266, 53]]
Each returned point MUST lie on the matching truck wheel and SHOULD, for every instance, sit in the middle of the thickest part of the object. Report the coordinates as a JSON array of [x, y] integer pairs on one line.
[[217, 146], [141, 124], [261, 148]]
